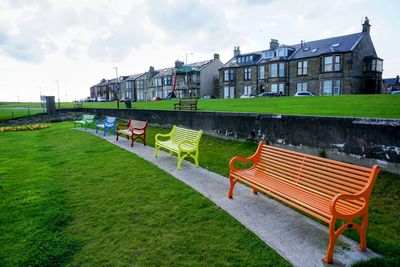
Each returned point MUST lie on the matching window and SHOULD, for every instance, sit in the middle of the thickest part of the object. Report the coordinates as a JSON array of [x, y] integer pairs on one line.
[[373, 65], [301, 87], [226, 75], [194, 77], [278, 88], [167, 80], [281, 69], [314, 50], [337, 63], [282, 52], [229, 92], [277, 69], [331, 87], [239, 60], [139, 84], [247, 73], [328, 64], [247, 90], [129, 85], [231, 74], [269, 54], [302, 68], [274, 70], [261, 72]]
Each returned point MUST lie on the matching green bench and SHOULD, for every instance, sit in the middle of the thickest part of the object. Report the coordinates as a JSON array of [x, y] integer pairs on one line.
[[85, 120], [181, 141]]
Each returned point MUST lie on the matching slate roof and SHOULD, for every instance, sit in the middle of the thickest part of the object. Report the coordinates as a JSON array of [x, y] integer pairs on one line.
[[390, 81], [338, 44], [165, 72], [346, 43], [134, 76]]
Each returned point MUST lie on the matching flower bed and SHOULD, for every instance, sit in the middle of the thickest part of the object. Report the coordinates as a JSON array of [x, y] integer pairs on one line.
[[24, 128]]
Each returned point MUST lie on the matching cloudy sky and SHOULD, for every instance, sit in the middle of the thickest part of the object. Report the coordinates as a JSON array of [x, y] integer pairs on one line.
[[79, 42]]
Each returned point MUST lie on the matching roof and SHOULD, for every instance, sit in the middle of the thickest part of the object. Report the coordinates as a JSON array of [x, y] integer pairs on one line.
[[339, 44], [233, 62], [134, 76], [165, 72], [390, 81]]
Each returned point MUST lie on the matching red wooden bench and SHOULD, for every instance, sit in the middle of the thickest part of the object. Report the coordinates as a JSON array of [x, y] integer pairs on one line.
[[133, 129], [325, 189]]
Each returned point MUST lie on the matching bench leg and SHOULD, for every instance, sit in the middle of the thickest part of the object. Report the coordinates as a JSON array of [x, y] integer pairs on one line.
[[363, 231], [180, 158], [97, 130], [117, 136], [232, 185], [105, 131], [156, 153], [332, 240], [254, 191]]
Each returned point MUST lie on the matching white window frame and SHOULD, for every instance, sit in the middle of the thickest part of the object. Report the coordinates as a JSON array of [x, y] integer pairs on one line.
[[261, 72], [229, 92], [301, 87], [226, 75], [247, 90]]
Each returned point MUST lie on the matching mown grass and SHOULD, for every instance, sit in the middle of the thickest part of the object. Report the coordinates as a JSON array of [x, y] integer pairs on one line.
[[6, 114], [71, 198], [383, 235], [374, 106]]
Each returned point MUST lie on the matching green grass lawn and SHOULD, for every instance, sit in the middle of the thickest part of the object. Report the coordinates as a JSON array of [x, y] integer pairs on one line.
[[7, 113], [376, 106], [70, 198]]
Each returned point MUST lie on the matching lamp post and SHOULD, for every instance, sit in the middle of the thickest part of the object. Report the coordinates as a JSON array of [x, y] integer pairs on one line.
[[58, 93], [117, 86]]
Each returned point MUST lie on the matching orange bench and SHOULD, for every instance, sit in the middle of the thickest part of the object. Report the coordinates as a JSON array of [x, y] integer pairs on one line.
[[326, 189], [133, 129]]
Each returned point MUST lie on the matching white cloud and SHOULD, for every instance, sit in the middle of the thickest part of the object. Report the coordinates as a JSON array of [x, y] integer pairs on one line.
[[79, 42]]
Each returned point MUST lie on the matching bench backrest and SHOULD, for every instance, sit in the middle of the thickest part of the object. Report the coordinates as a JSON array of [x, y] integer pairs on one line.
[[110, 119], [184, 102], [87, 117], [137, 124], [182, 134], [323, 176]]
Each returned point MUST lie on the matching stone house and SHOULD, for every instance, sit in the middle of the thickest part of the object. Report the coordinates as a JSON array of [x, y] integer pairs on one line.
[[340, 65]]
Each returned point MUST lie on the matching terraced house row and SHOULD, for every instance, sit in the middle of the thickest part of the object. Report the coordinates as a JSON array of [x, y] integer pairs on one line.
[[192, 80], [345, 64], [340, 65]]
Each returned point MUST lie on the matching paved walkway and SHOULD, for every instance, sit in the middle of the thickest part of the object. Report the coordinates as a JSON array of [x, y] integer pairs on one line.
[[297, 238]]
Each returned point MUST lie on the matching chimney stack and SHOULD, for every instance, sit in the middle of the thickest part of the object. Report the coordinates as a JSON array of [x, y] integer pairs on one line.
[[366, 26], [216, 56], [236, 51], [178, 64], [274, 44]]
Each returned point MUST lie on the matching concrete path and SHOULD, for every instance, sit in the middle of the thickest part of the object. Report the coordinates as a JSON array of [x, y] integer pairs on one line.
[[297, 238]]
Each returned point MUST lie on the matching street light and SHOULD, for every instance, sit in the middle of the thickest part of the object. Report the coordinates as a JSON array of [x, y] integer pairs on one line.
[[117, 86], [186, 71], [58, 93]]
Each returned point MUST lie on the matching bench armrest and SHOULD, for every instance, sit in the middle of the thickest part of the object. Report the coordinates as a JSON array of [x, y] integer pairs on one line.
[[122, 125], [97, 121], [162, 135], [338, 197], [240, 159]]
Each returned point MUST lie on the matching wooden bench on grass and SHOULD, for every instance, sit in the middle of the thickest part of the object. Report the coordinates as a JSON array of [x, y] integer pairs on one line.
[[134, 129], [186, 104], [84, 121], [325, 189], [181, 141]]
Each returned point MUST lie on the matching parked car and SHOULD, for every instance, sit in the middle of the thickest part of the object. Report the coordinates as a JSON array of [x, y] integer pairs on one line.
[[88, 99], [395, 92], [248, 96], [208, 97], [101, 99], [268, 94], [156, 98], [304, 94]]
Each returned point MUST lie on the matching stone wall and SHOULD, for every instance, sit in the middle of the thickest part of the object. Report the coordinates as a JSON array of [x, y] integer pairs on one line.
[[358, 140]]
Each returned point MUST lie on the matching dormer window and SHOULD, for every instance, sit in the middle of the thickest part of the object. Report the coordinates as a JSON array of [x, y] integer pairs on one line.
[[374, 64], [269, 54], [282, 52], [239, 60]]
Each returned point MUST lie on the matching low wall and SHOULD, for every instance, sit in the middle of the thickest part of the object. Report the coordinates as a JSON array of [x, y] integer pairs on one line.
[[359, 140]]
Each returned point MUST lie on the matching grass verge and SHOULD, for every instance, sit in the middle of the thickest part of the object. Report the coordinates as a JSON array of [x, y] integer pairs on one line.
[[70, 198]]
